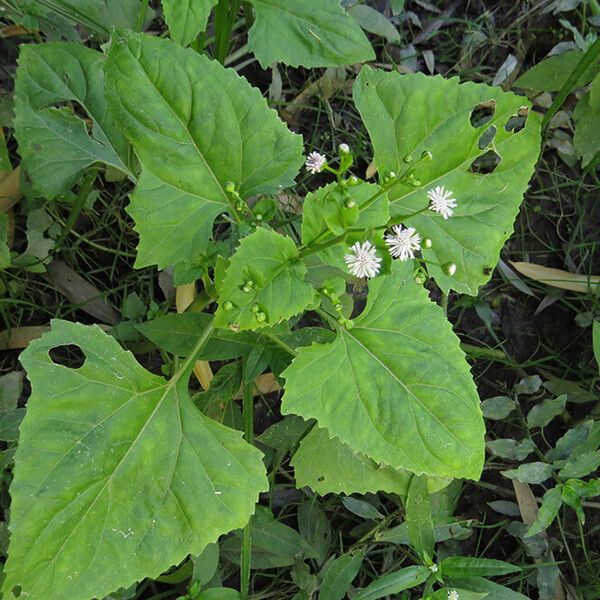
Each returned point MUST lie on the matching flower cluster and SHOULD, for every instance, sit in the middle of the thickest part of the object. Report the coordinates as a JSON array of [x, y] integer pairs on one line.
[[402, 242]]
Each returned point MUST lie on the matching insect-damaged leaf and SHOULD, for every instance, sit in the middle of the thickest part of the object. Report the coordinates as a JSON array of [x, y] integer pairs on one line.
[[195, 126], [52, 80], [395, 386], [467, 128], [118, 476]]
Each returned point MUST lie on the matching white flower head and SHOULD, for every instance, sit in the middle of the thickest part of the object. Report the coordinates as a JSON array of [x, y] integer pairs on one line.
[[434, 568], [344, 149], [403, 242], [315, 162], [442, 201], [363, 260], [453, 595]]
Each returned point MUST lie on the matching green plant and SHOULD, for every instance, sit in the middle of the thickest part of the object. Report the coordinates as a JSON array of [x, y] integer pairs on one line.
[[119, 473]]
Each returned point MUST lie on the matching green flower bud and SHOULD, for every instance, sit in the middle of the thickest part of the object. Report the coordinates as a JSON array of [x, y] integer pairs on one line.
[[230, 187], [337, 307], [353, 180], [349, 203], [258, 217], [247, 286], [392, 175], [240, 206], [426, 243], [261, 317], [227, 305], [255, 308], [426, 155], [408, 158]]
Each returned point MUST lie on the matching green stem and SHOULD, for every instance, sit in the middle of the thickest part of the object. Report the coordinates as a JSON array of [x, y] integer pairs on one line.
[[82, 196], [141, 18], [319, 247], [191, 359], [246, 552], [595, 7]]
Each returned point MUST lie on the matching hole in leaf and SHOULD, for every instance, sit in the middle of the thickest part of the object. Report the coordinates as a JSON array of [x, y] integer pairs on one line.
[[321, 478], [487, 137], [69, 355], [483, 113], [16, 591], [517, 122], [486, 163]]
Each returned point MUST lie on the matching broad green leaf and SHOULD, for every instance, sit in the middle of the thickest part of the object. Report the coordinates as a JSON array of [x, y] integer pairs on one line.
[[372, 20], [311, 33], [397, 6], [498, 407], [53, 80], [587, 123], [395, 386], [585, 489], [535, 472], [264, 283], [511, 449], [494, 590], [179, 334], [411, 114], [285, 434], [339, 574], [552, 73], [569, 441], [327, 465], [273, 543], [362, 508], [469, 566], [118, 476], [186, 20], [441, 533], [581, 466], [551, 503], [419, 520], [394, 583], [541, 414], [195, 126]]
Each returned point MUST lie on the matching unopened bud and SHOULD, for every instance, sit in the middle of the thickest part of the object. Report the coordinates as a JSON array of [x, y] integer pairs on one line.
[[427, 243], [255, 308], [230, 187], [426, 155], [353, 180], [349, 203], [408, 158], [258, 217], [344, 149], [261, 317], [337, 307], [227, 305]]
